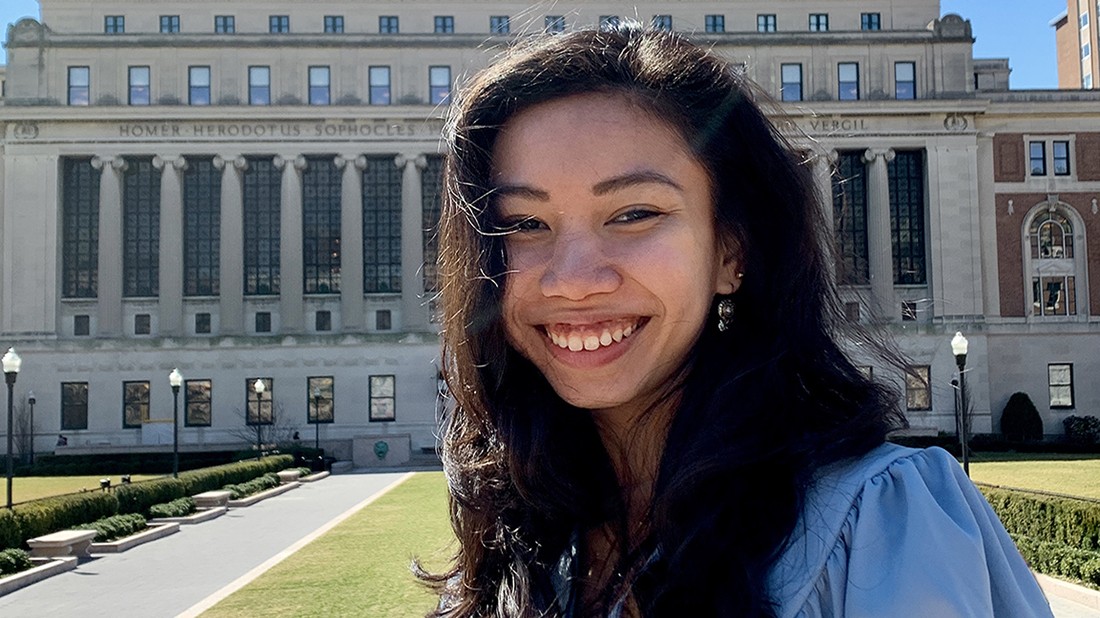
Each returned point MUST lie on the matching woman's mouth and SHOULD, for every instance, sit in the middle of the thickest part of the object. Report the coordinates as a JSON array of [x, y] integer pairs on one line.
[[590, 337]]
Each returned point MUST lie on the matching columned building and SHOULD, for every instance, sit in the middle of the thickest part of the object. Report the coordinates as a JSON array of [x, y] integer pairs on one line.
[[249, 191]]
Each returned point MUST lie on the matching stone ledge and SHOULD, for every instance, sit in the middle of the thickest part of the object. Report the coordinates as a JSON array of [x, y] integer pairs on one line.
[[263, 495], [151, 533], [1069, 591], [210, 499], [316, 476], [62, 543], [33, 575], [197, 517]]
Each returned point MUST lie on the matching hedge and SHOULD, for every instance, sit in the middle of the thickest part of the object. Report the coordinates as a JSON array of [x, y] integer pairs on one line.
[[1058, 559], [47, 515], [255, 486], [210, 479], [1049, 519], [13, 561], [176, 508], [139, 497], [115, 526]]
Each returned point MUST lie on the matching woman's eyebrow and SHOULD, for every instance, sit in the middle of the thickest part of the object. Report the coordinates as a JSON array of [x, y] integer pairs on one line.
[[522, 191], [630, 179]]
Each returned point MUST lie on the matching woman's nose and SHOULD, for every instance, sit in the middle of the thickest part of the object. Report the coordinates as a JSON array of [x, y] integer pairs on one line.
[[579, 267]]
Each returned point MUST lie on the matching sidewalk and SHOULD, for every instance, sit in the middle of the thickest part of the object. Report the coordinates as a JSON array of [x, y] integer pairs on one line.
[[169, 576]]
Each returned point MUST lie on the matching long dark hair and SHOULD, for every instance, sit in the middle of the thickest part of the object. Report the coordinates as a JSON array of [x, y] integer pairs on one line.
[[761, 406]]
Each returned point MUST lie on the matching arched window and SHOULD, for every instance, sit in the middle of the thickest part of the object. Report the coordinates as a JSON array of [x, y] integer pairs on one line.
[[1051, 236], [1052, 268]]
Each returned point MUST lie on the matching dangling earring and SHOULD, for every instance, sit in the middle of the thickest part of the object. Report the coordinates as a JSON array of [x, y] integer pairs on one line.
[[725, 314]]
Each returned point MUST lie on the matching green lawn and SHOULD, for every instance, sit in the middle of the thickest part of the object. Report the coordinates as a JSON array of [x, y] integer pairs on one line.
[[32, 487], [361, 567], [1076, 475]]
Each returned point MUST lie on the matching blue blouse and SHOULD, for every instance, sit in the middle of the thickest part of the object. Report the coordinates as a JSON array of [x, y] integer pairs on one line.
[[896, 532]]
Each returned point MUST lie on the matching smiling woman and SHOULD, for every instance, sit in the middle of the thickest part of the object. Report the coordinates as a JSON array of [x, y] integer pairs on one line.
[[626, 442]]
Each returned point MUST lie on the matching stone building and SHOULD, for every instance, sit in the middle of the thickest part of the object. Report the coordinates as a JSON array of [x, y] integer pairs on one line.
[[248, 190], [1076, 34]]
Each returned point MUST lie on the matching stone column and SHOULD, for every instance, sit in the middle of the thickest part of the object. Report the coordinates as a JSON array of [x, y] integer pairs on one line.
[[109, 292], [824, 163], [987, 220], [879, 244], [291, 284], [414, 306], [170, 303], [231, 245], [351, 241]]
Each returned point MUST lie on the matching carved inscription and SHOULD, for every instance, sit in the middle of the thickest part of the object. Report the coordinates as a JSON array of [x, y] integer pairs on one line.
[[379, 129]]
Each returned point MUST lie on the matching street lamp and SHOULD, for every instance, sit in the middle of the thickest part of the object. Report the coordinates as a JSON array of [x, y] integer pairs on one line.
[[31, 400], [958, 348], [259, 387], [317, 419], [12, 364], [175, 379]]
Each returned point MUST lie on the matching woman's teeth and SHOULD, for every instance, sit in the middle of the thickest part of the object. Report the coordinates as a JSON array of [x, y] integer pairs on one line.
[[576, 342]]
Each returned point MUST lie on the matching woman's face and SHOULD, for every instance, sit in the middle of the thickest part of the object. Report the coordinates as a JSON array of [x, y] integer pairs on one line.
[[614, 263]]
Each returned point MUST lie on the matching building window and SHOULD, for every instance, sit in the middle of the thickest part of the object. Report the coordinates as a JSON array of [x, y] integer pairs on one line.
[[431, 194], [1083, 19], [202, 323], [1060, 382], [554, 23], [1086, 82], [198, 81], [1086, 50], [261, 409], [791, 75], [382, 226], [79, 86], [819, 22], [334, 24], [202, 186], [383, 319], [197, 403], [765, 23], [80, 228], [225, 24], [82, 325], [263, 322], [278, 24], [262, 204], [140, 228], [139, 86], [870, 21], [74, 405], [322, 321], [847, 81], [382, 398], [500, 24], [918, 388], [1054, 295], [387, 24], [379, 78], [169, 24], [319, 80], [114, 24], [1060, 152], [444, 24], [609, 21], [906, 179], [259, 85], [1051, 236], [1037, 154], [439, 85], [850, 219], [143, 324], [135, 403], [320, 392], [321, 182], [905, 80], [714, 23], [662, 22]]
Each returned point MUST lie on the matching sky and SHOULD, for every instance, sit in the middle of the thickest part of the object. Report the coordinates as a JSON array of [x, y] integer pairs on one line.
[[1015, 29]]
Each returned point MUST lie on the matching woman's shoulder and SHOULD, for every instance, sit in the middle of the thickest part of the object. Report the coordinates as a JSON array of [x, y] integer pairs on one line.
[[901, 528]]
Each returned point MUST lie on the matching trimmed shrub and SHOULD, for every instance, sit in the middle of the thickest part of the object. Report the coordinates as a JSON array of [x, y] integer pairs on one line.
[[13, 561], [139, 497], [115, 527], [1050, 519], [1082, 429], [10, 534], [1020, 421], [209, 479], [255, 486], [304, 471], [176, 508], [47, 515], [1058, 559]]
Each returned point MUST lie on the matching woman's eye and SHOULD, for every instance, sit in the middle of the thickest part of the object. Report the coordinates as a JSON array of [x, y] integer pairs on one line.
[[523, 224], [634, 215]]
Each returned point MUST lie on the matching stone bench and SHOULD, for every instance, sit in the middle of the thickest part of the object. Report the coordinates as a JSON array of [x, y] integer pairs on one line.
[[288, 476], [211, 499], [66, 543]]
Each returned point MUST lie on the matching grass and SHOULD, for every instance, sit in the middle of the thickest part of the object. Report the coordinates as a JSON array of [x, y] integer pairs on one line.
[[33, 487], [1076, 475], [361, 567]]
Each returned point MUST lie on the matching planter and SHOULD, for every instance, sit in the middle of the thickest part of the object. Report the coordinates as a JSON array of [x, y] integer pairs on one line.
[[263, 495], [199, 516], [46, 568], [151, 533], [316, 476]]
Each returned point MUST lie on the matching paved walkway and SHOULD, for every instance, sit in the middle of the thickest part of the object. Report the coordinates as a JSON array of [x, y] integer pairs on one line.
[[169, 576]]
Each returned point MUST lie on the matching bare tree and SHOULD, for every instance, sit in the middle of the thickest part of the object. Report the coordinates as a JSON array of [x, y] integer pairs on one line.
[[23, 435], [280, 429]]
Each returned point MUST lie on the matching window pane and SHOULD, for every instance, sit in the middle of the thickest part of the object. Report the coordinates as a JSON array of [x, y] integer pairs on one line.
[[381, 226], [201, 228], [140, 228], [79, 228], [320, 393], [321, 182]]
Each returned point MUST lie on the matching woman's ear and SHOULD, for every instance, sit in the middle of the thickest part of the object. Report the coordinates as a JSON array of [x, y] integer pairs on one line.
[[730, 271]]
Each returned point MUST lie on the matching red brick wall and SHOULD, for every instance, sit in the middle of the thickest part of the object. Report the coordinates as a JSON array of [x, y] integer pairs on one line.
[[1088, 156], [1008, 157]]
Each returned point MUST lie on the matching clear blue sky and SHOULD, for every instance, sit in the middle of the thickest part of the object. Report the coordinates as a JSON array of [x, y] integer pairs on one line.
[[1014, 29]]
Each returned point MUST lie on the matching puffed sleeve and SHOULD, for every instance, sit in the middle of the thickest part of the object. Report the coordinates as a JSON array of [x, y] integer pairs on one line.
[[911, 537]]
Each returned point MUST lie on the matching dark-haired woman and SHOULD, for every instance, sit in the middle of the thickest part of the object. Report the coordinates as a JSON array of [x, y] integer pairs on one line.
[[653, 414]]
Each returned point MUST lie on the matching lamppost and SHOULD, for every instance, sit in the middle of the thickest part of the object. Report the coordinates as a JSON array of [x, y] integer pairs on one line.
[[259, 387], [317, 419], [175, 379], [12, 363], [31, 400], [958, 348]]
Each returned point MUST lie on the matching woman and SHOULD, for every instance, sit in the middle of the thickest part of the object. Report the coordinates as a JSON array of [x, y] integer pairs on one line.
[[653, 414]]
